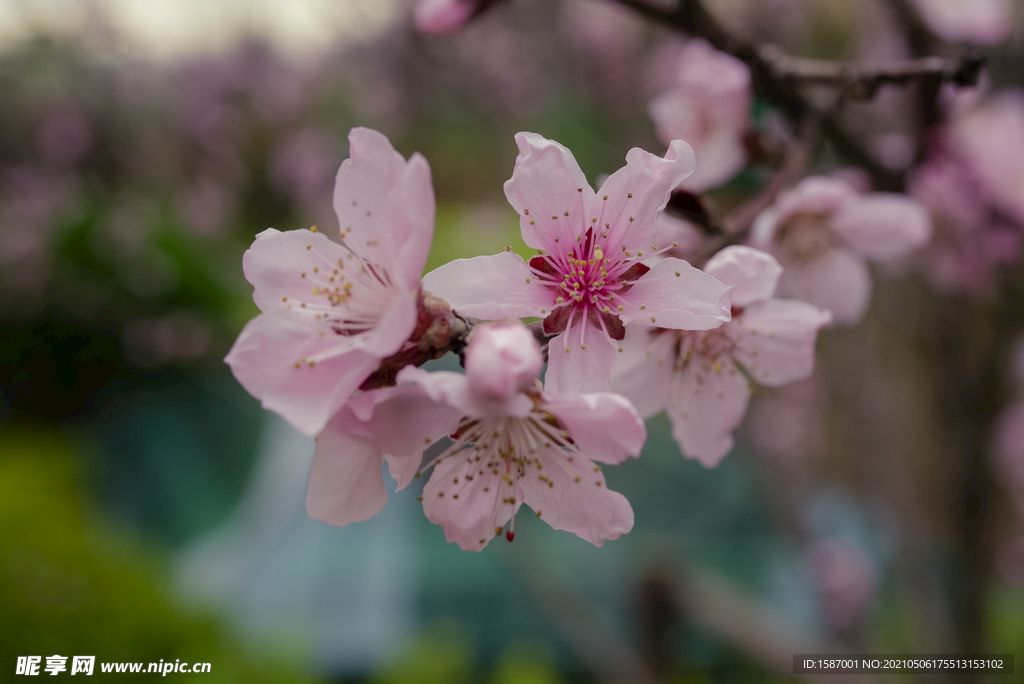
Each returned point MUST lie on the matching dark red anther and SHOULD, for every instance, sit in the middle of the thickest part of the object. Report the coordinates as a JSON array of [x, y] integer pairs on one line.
[[510, 535]]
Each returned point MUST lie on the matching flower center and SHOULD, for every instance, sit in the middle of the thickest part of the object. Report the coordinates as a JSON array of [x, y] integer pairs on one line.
[[806, 236], [503, 449], [349, 294], [710, 345], [588, 280]]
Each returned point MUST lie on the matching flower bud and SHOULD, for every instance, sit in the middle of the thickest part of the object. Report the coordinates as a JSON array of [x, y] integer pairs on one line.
[[502, 361]]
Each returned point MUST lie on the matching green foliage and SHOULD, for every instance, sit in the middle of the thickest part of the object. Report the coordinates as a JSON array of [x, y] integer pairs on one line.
[[526, 663], [72, 585], [441, 653]]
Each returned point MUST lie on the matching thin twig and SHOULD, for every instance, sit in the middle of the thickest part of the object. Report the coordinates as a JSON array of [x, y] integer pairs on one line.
[[861, 82], [737, 223], [777, 77]]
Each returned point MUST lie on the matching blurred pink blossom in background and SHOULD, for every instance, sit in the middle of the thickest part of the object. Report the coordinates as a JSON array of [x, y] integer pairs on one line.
[[984, 22], [707, 105], [443, 16], [822, 232]]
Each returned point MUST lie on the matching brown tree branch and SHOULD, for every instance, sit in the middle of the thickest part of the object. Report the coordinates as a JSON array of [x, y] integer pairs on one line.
[[861, 82], [777, 77]]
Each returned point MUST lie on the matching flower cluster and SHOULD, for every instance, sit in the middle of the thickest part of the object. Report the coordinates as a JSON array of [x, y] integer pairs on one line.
[[629, 331]]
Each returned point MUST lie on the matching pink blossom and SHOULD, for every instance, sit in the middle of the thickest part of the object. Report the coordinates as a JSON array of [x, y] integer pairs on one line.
[[985, 22], [331, 311], [822, 231], [608, 37], [684, 237], [989, 138], [708, 106], [384, 425], [968, 244], [696, 376], [444, 16], [65, 136], [588, 281], [501, 68], [514, 444]]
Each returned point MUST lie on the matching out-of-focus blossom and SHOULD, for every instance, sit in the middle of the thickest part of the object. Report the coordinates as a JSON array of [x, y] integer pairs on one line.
[[282, 91], [444, 16], [502, 68], [588, 281], [332, 311], [969, 243], [708, 106], [989, 139], [822, 231], [30, 201], [846, 580], [985, 22], [514, 444], [64, 136], [696, 376], [206, 207], [681, 234], [301, 165], [607, 36]]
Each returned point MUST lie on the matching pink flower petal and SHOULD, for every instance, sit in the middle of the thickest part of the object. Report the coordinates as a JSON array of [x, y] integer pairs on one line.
[[453, 389], [884, 225], [775, 339], [405, 424], [470, 501], [837, 280], [572, 496], [605, 426], [720, 158], [708, 107], [442, 16], [282, 360], [391, 330], [643, 371], [547, 184], [752, 273], [718, 154], [362, 197], [491, 287], [413, 209], [579, 360], [705, 406], [276, 262], [345, 481], [985, 22], [818, 196], [502, 361], [637, 194], [676, 295]]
